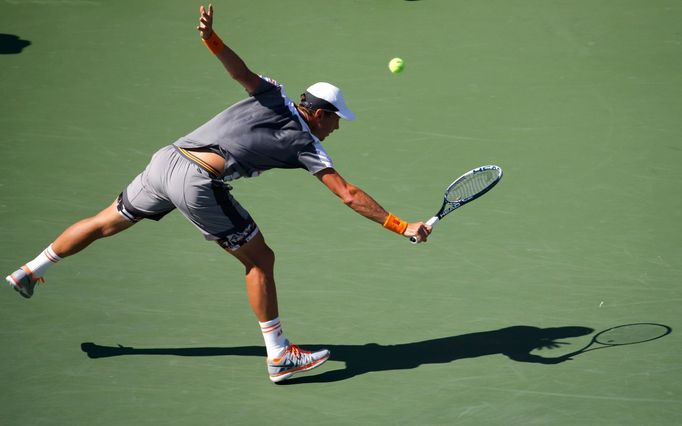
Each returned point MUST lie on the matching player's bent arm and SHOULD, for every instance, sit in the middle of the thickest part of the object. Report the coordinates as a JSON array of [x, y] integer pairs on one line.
[[364, 204], [234, 65], [238, 70]]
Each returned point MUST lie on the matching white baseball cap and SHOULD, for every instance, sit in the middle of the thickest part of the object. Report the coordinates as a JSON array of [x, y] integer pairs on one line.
[[327, 97]]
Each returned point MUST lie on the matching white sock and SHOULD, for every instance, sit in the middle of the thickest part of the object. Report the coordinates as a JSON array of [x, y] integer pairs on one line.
[[275, 342], [44, 260]]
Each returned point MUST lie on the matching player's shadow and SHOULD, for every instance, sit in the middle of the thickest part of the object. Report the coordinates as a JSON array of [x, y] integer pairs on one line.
[[11, 44], [517, 343]]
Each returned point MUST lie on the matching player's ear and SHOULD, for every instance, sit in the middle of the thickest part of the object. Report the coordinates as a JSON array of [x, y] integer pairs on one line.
[[319, 114]]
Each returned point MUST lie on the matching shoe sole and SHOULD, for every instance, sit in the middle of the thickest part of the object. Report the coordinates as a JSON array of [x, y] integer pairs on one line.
[[16, 286], [283, 376]]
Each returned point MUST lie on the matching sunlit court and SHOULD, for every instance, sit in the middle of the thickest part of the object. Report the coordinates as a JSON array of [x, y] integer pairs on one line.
[[547, 291]]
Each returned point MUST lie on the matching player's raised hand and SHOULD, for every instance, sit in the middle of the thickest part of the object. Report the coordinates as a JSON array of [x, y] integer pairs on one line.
[[205, 26]]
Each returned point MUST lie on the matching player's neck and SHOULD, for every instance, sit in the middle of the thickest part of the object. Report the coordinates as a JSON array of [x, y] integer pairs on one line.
[[304, 114]]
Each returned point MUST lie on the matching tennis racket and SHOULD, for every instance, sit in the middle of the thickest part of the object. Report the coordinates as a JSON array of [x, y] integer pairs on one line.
[[622, 335], [465, 189]]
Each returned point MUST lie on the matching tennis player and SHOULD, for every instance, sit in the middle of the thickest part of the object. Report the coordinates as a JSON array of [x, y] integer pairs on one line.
[[267, 130]]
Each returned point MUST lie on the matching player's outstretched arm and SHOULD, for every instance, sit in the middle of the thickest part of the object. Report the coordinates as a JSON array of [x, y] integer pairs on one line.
[[362, 203], [234, 65]]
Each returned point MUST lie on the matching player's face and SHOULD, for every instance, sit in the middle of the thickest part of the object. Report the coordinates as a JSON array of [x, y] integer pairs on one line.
[[328, 122]]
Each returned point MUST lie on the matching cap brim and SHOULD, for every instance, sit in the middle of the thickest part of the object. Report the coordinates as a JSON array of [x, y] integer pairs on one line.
[[346, 114]]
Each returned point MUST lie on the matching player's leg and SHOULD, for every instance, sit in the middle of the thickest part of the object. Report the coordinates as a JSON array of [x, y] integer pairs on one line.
[[74, 239], [284, 359], [139, 200], [81, 234], [259, 263], [207, 202]]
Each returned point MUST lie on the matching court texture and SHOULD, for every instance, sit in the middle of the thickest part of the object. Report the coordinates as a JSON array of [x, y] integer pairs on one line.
[[578, 101]]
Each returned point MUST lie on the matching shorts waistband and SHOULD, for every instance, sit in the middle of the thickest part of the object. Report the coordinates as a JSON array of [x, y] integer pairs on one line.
[[199, 162]]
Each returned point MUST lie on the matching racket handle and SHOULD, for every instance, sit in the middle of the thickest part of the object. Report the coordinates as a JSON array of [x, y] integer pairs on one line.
[[431, 222]]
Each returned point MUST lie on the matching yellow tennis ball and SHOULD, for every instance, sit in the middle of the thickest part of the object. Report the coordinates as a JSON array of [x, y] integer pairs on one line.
[[396, 65]]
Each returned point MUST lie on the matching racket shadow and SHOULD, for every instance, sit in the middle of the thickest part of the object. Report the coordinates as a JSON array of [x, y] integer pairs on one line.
[[515, 342]]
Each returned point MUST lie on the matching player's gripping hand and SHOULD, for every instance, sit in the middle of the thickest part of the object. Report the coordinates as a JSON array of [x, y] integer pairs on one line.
[[419, 230], [205, 26]]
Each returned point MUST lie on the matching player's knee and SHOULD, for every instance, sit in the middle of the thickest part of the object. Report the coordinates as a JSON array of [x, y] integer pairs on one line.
[[268, 258], [109, 222], [112, 228], [255, 255], [263, 259]]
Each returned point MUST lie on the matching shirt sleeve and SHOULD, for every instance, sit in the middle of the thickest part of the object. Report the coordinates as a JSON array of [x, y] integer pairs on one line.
[[266, 84], [315, 159]]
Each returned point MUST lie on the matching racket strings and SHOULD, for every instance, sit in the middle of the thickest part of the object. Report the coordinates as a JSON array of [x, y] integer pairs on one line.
[[632, 333], [471, 185]]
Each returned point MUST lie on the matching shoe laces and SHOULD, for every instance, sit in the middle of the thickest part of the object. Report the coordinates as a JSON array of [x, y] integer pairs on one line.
[[298, 353], [295, 351]]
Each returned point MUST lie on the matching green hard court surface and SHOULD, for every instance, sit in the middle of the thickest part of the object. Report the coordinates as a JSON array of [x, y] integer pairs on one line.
[[578, 101]]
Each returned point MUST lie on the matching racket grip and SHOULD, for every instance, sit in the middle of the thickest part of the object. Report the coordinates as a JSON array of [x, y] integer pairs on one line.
[[430, 222]]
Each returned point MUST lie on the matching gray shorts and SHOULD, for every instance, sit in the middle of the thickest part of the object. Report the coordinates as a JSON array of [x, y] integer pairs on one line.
[[174, 179]]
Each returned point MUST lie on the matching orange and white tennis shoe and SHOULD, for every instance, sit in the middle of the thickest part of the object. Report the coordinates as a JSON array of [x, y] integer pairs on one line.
[[23, 281], [295, 360]]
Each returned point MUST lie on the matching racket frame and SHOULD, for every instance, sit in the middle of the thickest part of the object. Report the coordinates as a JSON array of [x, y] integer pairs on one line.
[[664, 329], [592, 345], [449, 206]]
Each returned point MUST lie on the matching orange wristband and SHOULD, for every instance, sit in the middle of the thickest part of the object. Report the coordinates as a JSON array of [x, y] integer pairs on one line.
[[394, 224], [214, 43]]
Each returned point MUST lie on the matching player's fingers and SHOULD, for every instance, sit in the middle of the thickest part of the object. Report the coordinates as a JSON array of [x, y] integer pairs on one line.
[[206, 13], [206, 20], [421, 235]]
